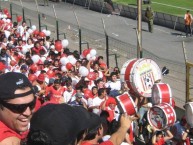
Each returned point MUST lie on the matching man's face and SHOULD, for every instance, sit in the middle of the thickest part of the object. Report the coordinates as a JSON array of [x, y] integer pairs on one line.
[[78, 99], [18, 121], [104, 94], [23, 24], [100, 84], [114, 78], [69, 88], [112, 106], [95, 91], [96, 67], [57, 86]]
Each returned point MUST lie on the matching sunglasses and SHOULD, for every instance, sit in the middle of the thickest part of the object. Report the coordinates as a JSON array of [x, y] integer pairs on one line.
[[19, 108]]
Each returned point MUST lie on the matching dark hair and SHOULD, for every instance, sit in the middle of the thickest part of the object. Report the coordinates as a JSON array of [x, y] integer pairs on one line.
[[43, 71], [29, 62], [59, 75], [116, 69], [80, 135], [91, 134], [95, 71], [57, 81], [38, 138], [113, 126], [100, 91], [23, 22], [94, 87], [21, 61], [100, 57], [159, 133], [15, 24]]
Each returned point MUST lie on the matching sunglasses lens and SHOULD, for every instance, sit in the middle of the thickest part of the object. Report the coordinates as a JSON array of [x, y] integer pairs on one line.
[[32, 105], [19, 108]]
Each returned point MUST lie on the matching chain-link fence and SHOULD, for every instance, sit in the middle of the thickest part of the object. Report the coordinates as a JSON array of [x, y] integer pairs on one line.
[[122, 50]]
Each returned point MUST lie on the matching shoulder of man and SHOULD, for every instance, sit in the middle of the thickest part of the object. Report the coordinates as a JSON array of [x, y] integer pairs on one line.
[[7, 133], [10, 141]]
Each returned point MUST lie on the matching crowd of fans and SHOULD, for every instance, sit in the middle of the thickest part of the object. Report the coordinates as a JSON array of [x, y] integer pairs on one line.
[[71, 91]]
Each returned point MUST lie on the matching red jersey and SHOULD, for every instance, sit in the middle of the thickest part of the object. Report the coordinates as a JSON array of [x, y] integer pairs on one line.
[[103, 143], [6, 132], [160, 142], [55, 93]]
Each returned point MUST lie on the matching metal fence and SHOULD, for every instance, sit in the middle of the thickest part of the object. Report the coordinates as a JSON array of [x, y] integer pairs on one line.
[[126, 50]]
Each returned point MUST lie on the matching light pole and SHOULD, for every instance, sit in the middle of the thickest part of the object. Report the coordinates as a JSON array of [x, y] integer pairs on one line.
[[139, 32]]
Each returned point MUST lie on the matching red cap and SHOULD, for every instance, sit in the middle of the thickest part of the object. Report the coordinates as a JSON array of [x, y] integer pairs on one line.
[[111, 100]]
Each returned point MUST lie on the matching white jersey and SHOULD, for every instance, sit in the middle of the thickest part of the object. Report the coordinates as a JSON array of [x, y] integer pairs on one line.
[[69, 96], [96, 102]]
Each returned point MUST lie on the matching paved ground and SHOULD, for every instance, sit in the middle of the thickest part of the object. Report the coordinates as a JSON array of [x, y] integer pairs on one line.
[[164, 43]]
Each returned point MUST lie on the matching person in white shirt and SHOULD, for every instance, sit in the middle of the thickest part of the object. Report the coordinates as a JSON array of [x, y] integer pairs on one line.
[[22, 29], [114, 84], [95, 106], [69, 94]]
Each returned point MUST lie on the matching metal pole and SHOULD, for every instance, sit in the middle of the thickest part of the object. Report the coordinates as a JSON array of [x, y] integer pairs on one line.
[[11, 12], [107, 43], [175, 22], [139, 44], [116, 60], [23, 12], [80, 33], [57, 24], [187, 72], [80, 40], [107, 49], [39, 21], [39, 18]]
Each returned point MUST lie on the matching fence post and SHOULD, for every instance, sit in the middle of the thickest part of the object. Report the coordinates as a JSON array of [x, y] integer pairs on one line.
[[39, 19], [107, 43], [11, 12], [175, 22], [187, 71], [80, 33], [57, 30], [23, 12]]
